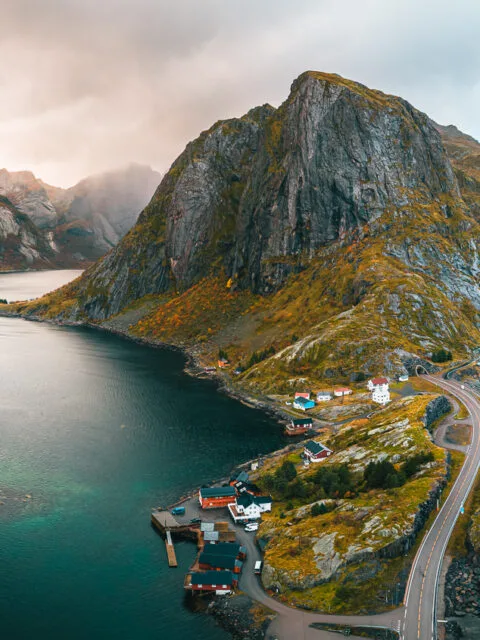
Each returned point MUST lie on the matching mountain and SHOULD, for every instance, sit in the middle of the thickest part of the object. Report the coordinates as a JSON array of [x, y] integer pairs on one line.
[[29, 196], [82, 223], [22, 245], [464, 152], [328, 238]]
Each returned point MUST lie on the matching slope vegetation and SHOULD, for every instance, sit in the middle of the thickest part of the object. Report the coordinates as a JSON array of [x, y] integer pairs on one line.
[[328, 238]]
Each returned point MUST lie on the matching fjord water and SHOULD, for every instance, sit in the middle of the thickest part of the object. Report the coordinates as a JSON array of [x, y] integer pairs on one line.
[[99, 430]]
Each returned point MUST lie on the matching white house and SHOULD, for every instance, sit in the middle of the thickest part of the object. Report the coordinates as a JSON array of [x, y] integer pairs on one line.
[[379, 389], [342, 391], [375, 383], [381, 395], [324, 396], [248, 507]]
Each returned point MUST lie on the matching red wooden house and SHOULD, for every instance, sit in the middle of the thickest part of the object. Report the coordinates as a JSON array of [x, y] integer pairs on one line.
[[219, 582], [315, 451], [216, 497], [297, 427]]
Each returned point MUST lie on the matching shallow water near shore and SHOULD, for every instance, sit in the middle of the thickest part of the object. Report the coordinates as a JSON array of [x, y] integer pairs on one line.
[[98, 430]]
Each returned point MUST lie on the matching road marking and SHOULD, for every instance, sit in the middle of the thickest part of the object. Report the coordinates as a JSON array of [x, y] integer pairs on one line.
[[451, 500]]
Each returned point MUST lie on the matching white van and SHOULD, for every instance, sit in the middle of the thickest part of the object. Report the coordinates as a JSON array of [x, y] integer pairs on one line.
[[258, 567]]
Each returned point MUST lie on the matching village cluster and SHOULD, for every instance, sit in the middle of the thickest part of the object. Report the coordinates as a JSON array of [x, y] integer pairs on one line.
[[219, 564], [378, 387], [220, 557]]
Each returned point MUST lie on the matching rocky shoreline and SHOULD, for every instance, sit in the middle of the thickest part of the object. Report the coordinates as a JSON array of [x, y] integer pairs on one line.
[[241, 616], [462, 598]]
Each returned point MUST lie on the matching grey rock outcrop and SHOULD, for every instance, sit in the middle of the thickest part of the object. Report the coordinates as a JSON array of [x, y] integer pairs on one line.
[[261, 194], [435, 409], [22, 245], [82, 223]]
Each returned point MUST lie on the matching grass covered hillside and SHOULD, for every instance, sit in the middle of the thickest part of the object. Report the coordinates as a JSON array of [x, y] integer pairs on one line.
[[336, 525], [326, 240]]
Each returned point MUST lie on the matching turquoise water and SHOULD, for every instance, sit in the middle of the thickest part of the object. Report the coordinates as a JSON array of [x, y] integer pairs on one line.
[[98, 431]]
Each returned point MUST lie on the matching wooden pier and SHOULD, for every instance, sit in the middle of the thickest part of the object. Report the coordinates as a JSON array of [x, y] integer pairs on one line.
[[172, 558]]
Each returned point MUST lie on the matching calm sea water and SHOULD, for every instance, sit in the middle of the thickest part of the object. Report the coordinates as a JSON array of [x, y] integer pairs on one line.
[[98, 431]]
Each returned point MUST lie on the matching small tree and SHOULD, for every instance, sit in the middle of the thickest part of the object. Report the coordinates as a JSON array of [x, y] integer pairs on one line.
[[441, 355], [318, 509], [287, 471]]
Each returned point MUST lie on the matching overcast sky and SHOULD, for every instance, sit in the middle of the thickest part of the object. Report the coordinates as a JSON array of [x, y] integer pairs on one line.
[[89, 85]]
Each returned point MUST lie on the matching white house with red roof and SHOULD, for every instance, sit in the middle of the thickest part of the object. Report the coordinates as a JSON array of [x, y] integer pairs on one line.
[[377, 382], [380, 390]]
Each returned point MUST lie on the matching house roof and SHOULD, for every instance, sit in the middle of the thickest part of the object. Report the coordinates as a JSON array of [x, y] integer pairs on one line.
[[218, 492], [301, 422], [315, 447], [242, 477], [218, 561], [340, 389], [246, 500], [212, 577], [246, 487], [380, 381], [324, 393], [223, 549], [300, 400]]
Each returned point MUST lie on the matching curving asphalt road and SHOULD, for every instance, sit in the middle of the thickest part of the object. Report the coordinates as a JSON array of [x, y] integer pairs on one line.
[[421, 591], [416, 619]]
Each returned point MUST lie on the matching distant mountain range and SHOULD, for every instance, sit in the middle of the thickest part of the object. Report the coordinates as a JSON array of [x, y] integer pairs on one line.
[[42, 226]]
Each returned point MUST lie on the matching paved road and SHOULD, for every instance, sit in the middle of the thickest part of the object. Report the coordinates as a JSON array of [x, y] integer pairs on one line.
[[415, 620], [420, 595]]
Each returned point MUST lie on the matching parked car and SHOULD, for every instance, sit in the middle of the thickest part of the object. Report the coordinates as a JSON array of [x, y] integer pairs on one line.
[[258, 567], [178, 511], [195, 521], [251, 526]]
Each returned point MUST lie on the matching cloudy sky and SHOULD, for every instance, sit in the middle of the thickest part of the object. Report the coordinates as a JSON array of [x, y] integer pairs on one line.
[[87, 85]]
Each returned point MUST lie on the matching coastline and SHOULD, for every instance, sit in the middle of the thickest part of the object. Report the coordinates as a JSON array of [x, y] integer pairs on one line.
[[193, 366]]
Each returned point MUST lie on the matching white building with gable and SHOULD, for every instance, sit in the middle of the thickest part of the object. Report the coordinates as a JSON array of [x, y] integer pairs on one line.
[[380, 390]]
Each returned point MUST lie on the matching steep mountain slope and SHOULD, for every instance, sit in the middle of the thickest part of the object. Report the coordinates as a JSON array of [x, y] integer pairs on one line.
[[98, 211], [84, 222], [464, 152], [22, 245], [331, 230]]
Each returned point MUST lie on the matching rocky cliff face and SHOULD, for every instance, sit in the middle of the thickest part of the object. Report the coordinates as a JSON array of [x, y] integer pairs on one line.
[[332, 229], [29, 196], [261, 194], [22, 246], [82, 223]]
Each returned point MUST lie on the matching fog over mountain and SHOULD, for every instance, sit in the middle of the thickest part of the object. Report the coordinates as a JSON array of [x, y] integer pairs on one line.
[[92, 86]]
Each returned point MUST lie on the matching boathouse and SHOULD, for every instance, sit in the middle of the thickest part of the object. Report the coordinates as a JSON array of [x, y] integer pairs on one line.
[[216, 497], [208, 561], [219, 582], [297, 427], [314, 451], [226, 548]]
